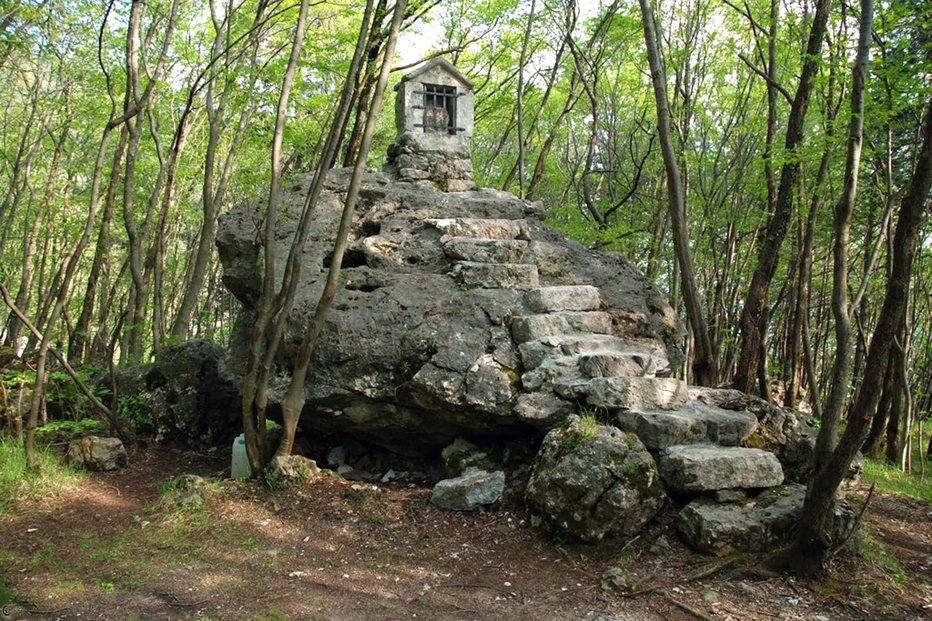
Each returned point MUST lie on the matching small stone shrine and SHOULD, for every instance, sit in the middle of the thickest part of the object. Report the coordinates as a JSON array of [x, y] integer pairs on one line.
[[434, 120]]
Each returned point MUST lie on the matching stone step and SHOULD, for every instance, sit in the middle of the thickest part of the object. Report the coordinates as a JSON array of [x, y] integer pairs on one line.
[[481, 228], [535, 327], [533, 353], [628, 393], [617, 364], [759, 524], [521, 276], [693, 469], [484, 250], [579, 369], [502, 205], [563, 298], [696, 422]]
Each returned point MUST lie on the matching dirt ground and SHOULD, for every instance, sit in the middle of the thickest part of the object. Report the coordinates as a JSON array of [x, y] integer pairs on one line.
[[332, 549]]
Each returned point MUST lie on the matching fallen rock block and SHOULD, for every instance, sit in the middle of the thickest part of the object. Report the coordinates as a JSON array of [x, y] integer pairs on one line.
[[99, 454], [473, 489]]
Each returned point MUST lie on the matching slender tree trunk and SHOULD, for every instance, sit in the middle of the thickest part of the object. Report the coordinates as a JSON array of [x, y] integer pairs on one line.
[[295, 397], [81, 337], [841, 373], [704, 362], [811, 547], [522, 61], [274, 303], [755, 318]]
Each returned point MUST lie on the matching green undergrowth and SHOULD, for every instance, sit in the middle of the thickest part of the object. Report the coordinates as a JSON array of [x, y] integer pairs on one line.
[[17, 482], [890, 478]]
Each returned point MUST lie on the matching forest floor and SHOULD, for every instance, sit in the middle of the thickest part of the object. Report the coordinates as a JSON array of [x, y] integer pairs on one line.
[[112, 548]]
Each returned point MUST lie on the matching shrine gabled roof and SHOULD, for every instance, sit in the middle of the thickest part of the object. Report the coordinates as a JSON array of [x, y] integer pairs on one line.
[[443, 63]]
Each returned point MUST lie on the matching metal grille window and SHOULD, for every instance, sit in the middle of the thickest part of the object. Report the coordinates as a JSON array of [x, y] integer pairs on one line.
[[439, 108]]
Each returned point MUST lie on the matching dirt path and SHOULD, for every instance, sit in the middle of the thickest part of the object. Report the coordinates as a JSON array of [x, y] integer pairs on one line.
[[332, 549]]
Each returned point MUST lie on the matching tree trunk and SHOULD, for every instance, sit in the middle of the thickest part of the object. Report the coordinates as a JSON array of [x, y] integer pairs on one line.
[[295, 397], [274, 303], [841, 373], [812, 546], [704, 362], [755, 318]]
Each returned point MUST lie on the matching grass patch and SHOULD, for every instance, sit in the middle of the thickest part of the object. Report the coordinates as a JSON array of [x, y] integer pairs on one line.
[[17, 482], [873, 551], [889, 478]]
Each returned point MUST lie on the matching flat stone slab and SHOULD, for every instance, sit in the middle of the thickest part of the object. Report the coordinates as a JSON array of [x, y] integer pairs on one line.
[[496, 275], [481, 228], [752, 526], [484, 250], [705, 468], [634, 393], [563, 298], [693, 423], [535, 327]]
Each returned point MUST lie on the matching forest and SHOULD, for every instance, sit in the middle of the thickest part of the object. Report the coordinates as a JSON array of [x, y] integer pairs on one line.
[[766, 164]]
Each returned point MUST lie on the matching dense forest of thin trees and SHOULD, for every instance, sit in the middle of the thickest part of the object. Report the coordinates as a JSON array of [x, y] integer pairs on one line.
[[763, 162]]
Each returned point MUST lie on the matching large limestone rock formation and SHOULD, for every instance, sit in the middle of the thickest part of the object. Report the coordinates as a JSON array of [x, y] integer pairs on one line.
[[460, 315]]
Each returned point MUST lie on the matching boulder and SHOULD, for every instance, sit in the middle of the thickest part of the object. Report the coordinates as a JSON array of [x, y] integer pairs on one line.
[[474, 488], [592, 481], [285, 470], [181, 398], [417, 349], [462, 454], [695, 469], [99, 454]]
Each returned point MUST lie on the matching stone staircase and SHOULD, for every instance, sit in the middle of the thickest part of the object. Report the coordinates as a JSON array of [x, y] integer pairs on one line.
[[572, 359]]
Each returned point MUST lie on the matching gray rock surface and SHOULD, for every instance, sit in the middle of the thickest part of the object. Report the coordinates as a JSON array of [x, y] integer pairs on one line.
[[98, 454], [593, 481], [706, 468], [692, 423], [755, 525], [633, 393], [411, 359], [474, 488]]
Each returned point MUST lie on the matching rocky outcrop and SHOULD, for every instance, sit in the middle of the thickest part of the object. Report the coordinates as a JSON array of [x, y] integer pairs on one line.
[[98, 454], [592, 481], [460, 315], [446, 299]]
